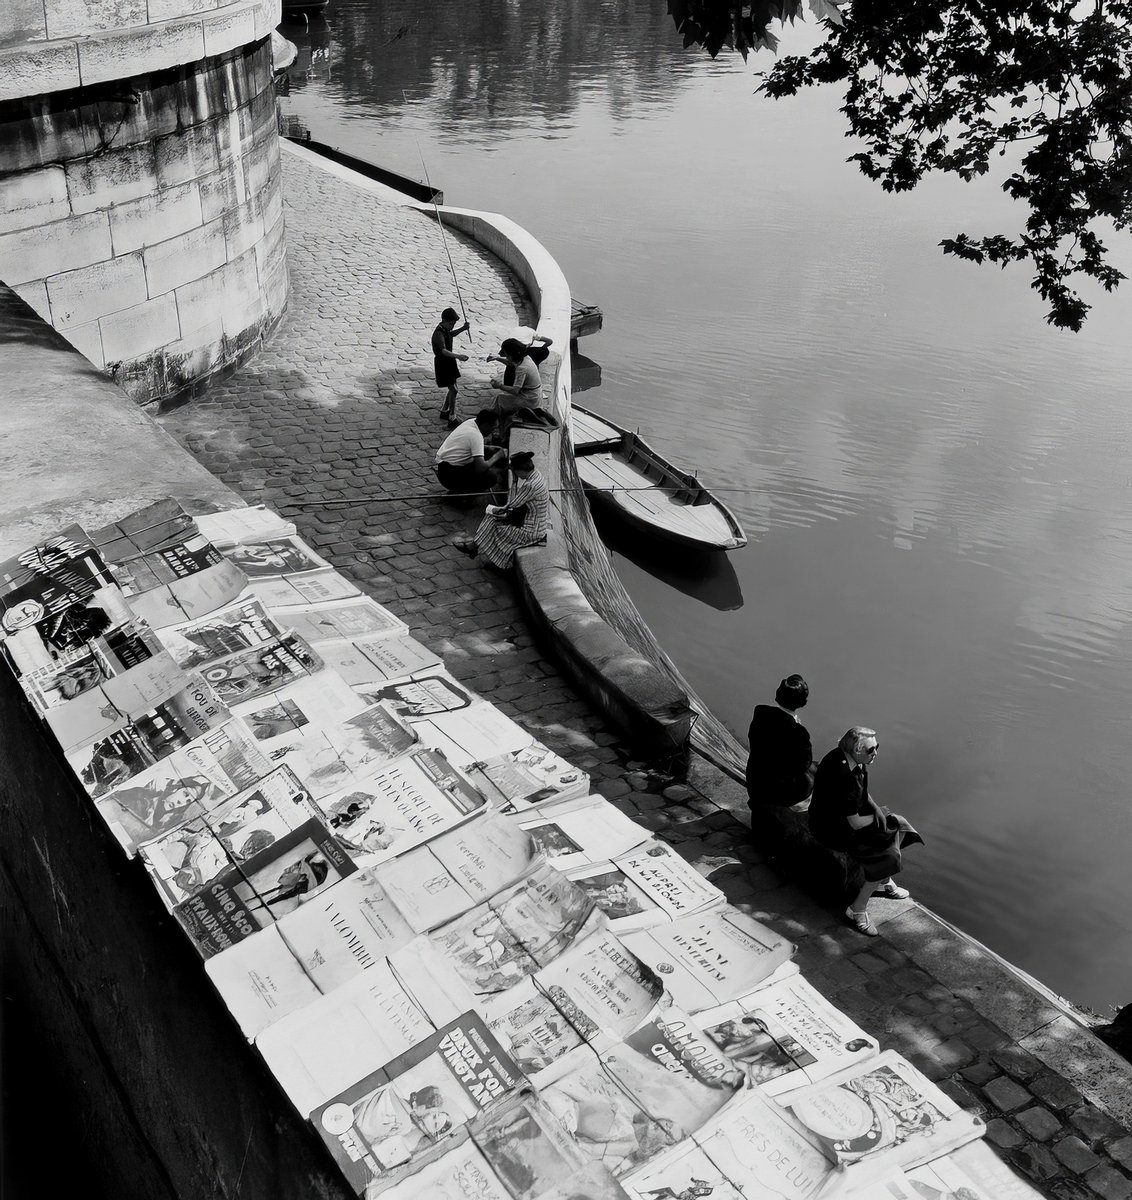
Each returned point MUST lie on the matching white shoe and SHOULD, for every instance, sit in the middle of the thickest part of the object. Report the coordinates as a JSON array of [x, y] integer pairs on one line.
[[892, 891], [862, 922]]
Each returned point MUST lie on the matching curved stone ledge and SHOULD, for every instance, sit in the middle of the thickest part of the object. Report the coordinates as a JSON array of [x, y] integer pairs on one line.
[[53, 45]]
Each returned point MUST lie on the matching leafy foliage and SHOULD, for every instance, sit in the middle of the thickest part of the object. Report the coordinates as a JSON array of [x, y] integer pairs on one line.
[[949, 85]]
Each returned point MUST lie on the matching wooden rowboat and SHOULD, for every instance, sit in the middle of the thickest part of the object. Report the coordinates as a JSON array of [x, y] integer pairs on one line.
[[626, 476]]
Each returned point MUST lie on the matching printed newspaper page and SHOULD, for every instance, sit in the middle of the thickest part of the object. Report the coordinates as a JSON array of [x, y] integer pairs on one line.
[[395, 1120], [708, 959], [786, 1035]]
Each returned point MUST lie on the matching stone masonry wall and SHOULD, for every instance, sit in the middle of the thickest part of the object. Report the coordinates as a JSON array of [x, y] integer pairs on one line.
[[142, 216]]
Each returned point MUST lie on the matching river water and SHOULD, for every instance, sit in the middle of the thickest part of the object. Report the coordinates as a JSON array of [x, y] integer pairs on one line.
[[935, 483]]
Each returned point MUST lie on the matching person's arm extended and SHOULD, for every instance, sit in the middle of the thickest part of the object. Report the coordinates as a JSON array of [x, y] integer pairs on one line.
[[446, 353], [489, 460]]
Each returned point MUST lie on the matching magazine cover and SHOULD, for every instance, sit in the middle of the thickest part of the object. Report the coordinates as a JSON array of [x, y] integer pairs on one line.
[[58, 635], [434, 884], [136, 571], [470, 734], [599, 977], [530, 1152], [98, 711], [536, 1029], [710, 958], [260, 981], [400, 805], [532, 774], [274, 556], [751, 1144], [461, 1173], [880, 1115], [344, 931], [396, 1119], [525, 927], [669, 880], [112, 761], [311, 587], [351, 750], [277, 880], [322, 1049], [261, 669], [413, 700], [343, 620], [227, 631], [158, 524], [576, 832], [310, 702], [254, 523], [46, 579], [786, 1035], [202, 848], [373, 661], [191, 597], [684, 1172], [625, 905], [186, 783]]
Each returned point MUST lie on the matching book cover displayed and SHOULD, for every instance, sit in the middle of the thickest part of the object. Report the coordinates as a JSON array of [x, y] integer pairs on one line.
[[383, 658], [648, 886], [461, 1173], [470, 734], [200, 849], [343, 620], [602, 980], [576, 832], [534, 1158], [308, 703], [260, 981], [162, 523], [137, 571], [786, 1035], [261, 669], [400, 805], [275, 881], [346, 753], [222, 633], [880, 1115], [41, 583], [254, 523], [344, 931], [749, 1151], [512, 935], [186, 783], [427, 697], [536, 1029], [151, 736], [437, 882], [398, 1118], [191, 597], [710, 958], [287, 555], [529, 775], [310, 587], [322, 1049]]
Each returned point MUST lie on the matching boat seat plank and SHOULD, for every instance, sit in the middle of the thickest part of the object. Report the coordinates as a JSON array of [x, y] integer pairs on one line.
[[587, 430]]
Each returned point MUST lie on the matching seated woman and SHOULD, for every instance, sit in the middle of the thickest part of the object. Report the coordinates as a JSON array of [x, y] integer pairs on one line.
[[525, 392], [537, 350], [519, 522]]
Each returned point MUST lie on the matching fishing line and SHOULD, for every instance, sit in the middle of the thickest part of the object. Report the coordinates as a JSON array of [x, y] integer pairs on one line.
[[443, 236], [562, 491]]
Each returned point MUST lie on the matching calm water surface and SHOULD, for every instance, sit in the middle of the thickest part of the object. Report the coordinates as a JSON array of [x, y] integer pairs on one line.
[[934, 483]]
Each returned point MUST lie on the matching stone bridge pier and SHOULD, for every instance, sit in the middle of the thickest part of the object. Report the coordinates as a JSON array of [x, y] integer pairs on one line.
[[141, 210]]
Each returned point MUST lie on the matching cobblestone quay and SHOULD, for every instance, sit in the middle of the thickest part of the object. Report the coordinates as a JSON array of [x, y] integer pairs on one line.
[[335, 425]]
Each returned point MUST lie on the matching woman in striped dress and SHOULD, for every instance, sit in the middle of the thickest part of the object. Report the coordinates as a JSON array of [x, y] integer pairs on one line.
[[497, 538]]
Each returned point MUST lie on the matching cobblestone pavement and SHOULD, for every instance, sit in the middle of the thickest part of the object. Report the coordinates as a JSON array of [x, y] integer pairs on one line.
[[341, 406]]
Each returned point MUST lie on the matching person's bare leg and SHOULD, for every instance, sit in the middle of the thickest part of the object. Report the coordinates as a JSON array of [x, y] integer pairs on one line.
[[860, 902]]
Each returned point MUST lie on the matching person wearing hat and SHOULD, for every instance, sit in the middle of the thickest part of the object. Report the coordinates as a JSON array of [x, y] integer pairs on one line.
[[522, 521], [780, 766]]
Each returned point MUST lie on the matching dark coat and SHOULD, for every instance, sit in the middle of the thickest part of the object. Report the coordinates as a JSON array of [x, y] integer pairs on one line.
[[780, 769], [841, 791]]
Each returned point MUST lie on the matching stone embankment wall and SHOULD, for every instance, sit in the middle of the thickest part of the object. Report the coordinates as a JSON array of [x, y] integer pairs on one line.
[[141, 209]]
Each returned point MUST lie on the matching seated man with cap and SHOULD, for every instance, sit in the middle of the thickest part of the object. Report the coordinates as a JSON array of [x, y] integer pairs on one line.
[[462, 464], [780, 768]]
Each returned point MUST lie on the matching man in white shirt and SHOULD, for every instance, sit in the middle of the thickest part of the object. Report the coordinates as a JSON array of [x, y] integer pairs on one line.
[[462, 464]]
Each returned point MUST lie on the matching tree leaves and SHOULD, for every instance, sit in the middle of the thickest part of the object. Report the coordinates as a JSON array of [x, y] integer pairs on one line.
[[932, 85]]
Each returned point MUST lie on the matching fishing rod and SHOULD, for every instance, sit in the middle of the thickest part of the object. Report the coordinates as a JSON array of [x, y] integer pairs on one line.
[[440, 222]]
